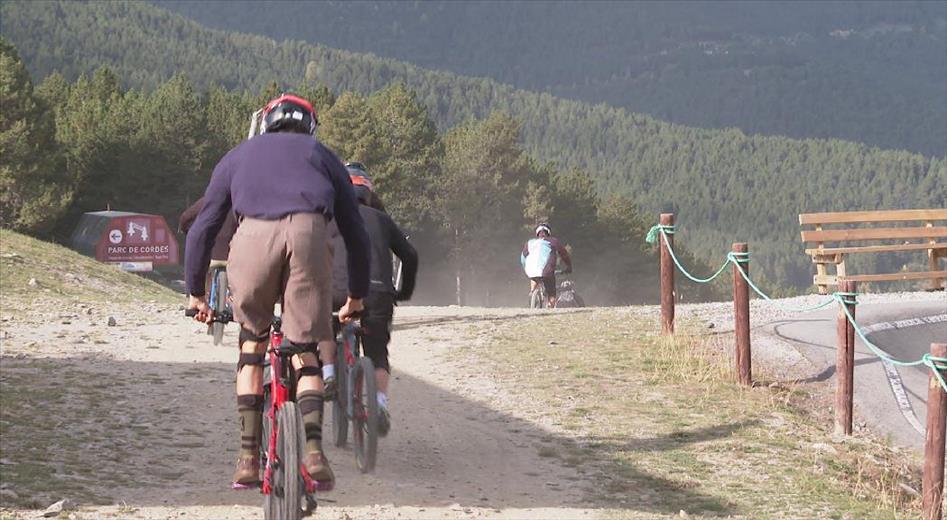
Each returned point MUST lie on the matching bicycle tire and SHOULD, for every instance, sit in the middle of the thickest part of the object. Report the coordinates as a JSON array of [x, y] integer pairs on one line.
[[340, 420], [287, 487], [270, 509], [307, 503], [365, 415], [220, 305], [536, 298]]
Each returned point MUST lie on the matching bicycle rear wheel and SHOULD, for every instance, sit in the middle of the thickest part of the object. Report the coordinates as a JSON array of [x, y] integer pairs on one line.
[[365, 415], [340, 420], [220, 304], [536, 298], [287, 487]]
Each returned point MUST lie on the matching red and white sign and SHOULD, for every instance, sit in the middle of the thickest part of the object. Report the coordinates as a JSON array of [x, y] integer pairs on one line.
[[138, 238]]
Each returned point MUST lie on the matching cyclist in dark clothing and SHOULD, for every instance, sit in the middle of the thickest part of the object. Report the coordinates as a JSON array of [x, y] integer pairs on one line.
[[222, 243], [386, 238]]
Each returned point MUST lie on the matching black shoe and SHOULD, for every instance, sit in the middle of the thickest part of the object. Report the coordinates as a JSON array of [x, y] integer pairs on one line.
[[384, 421]]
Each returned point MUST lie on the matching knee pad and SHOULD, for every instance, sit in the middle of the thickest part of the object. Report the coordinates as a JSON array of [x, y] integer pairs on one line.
[[249, 359], [308, 371], [250, 401]]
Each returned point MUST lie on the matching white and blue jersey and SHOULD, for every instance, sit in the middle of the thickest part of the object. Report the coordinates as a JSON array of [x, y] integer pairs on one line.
[[540, 255]]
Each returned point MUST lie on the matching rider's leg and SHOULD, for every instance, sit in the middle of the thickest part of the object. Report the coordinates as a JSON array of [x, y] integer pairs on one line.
[[550, 285], [327, 360], [250, 405], [307, 315], [327, 352], [376, 333], [255, 275], [310, 399]]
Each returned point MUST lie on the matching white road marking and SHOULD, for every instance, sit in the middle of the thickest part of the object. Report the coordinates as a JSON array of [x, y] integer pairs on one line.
[[891, 371], [901, 396]]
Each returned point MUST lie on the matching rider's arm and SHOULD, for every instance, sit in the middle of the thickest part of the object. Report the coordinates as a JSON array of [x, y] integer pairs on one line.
[[351, 226], [201, 236], [408, 256], [524, 254]]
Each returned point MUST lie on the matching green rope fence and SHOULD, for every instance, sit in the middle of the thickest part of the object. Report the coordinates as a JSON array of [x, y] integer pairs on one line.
[[936, 364]]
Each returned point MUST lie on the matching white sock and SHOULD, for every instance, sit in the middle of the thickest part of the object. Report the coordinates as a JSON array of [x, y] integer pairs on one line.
[[328, 371], [382, 399]]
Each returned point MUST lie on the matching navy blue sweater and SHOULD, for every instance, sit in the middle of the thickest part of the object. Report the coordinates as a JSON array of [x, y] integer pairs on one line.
[[271, 176]]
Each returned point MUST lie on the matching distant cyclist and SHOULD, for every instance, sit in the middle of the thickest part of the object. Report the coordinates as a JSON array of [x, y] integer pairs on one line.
[[386, 238], [539, 258], [568, 297], [285, 187], [221, 249]]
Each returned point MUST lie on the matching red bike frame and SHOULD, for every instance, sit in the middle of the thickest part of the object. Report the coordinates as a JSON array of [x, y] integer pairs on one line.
[[279, 394]]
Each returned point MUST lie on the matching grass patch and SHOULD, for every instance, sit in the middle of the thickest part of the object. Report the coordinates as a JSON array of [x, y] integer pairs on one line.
[[661, 427], [65, 277]]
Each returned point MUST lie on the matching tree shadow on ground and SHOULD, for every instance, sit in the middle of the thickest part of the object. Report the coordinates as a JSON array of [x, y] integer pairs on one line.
[[152, 434]]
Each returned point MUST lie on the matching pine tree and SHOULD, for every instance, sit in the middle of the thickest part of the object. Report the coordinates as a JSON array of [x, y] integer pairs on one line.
[[34, 189]]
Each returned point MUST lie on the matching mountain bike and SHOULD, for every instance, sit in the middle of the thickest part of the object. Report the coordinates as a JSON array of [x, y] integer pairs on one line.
[[288, 491], [219, 298], [357, 398], [537, 295]]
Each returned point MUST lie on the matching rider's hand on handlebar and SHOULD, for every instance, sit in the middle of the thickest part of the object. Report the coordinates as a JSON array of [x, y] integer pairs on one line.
[[352, 308], [204, 312]]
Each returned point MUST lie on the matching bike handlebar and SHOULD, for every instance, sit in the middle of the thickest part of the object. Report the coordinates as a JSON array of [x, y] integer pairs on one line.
[[222, 317]]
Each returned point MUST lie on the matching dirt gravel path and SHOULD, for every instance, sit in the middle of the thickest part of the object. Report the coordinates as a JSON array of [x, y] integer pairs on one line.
[[137, 421]]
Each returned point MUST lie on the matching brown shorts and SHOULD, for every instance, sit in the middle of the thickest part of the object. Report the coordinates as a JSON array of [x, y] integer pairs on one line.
[[286, 258]]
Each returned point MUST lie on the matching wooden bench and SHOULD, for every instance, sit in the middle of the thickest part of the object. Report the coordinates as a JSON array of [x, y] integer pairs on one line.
[[866, 233]]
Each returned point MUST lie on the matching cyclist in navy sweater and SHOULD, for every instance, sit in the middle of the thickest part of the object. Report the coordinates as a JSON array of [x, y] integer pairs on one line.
[[284, 187]]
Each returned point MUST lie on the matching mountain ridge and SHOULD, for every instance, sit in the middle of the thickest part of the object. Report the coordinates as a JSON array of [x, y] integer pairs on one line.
[[860, 71]]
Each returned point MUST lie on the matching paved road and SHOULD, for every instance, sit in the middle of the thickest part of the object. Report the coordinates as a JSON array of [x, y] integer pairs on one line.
[[892, 400]]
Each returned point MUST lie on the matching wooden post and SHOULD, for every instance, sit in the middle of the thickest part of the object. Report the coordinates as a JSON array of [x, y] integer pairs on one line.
[[933, 484], [741, 314], [936, 283], [845, 364], [667, 277], [820, 267]]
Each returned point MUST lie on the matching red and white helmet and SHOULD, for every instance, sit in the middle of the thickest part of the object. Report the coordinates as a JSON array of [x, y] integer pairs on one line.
[[289, 113]]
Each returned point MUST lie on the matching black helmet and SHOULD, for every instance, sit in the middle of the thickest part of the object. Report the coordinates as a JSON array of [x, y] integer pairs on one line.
[[289, 113]]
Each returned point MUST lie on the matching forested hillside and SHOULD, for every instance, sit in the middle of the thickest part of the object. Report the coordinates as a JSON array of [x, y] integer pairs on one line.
[[873, 72], [468, 198], [724, 185]]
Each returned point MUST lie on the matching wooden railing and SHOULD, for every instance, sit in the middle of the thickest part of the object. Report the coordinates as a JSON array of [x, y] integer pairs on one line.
[[856, 232]]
